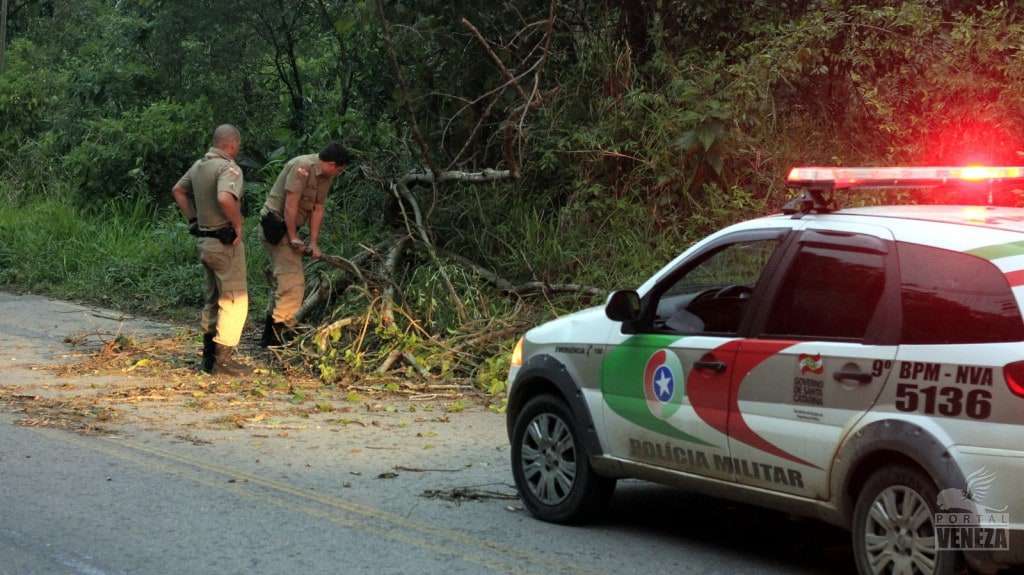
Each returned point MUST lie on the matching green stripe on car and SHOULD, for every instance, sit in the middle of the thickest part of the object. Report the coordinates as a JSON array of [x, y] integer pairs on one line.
[[622, 384]]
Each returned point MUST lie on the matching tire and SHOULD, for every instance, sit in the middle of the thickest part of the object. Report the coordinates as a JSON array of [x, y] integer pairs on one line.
[[904, 489], [555, 480]]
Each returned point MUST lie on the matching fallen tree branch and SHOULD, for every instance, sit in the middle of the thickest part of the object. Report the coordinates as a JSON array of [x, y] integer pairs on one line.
[[546, 288], [480, 177], [411, 360], [492, 335], [425, 469], [433, 178], [387, 313], [343, 264], [403, 191], [493, 278], [323, 292], [389, 361], [527, 288], [324, 332]]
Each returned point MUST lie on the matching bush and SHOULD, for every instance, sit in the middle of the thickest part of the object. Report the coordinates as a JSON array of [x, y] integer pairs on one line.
[[140, 154]]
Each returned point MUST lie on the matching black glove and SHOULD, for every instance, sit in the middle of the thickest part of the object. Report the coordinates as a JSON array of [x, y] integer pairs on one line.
[[193, 227]]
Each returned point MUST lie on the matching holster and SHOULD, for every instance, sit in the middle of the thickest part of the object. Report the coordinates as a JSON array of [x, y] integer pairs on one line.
[[274, 228]]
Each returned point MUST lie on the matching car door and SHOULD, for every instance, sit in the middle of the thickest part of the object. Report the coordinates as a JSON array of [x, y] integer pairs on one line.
[[664, 377], [821, 354]]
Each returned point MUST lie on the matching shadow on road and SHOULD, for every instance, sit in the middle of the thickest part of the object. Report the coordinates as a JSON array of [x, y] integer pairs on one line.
[[665, 516]]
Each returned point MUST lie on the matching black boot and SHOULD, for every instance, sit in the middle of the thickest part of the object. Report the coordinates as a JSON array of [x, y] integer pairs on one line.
[[271, 337], [209, 353], [224, 364]]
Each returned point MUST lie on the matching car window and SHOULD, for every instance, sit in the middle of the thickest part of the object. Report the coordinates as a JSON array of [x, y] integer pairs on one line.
[[712, 297], [828, 293], [950, 297]]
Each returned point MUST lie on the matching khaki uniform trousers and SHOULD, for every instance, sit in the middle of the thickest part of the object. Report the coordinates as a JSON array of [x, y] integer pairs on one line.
[[287, 282], [227, 298]]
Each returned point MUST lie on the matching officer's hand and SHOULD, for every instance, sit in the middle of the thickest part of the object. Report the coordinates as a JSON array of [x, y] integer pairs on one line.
[[314, 251], [297, 245], [238, 237], [193, 227]]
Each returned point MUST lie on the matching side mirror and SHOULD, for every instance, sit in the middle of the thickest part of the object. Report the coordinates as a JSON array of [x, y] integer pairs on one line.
[[623, 306]]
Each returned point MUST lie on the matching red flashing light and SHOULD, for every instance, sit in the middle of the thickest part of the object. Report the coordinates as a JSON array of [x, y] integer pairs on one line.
[[902, 176], [1013, 373]]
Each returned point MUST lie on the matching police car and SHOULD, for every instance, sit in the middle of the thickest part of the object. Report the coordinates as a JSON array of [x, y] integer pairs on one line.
[[862, 366]]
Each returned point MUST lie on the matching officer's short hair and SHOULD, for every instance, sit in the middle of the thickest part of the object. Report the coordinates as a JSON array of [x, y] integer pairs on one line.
[[226, 133], [335, 152]]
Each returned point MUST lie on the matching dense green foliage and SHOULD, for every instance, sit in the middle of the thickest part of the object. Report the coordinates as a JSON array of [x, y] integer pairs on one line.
[[654, 122]]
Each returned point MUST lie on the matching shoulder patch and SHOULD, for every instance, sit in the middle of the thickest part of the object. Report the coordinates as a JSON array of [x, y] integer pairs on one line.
[[303, 171], [234, 171]]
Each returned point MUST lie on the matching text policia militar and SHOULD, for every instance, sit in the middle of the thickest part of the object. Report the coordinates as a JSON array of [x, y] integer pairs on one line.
[[695, 459]]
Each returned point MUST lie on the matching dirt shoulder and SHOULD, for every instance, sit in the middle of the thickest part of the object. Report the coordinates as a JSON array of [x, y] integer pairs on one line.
[[96, 371]]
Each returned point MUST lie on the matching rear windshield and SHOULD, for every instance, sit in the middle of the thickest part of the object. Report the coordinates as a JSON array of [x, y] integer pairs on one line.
[[950, 297]]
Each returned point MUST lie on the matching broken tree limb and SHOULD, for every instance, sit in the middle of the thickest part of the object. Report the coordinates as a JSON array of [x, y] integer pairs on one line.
[[491, 277], [481, 177], [432, 178], [403, 191], [545, 288], [321, 294], [343, 264], [493, 335], [324, 333], [391, 272], [523, 289], [411, 360], [389, 361]]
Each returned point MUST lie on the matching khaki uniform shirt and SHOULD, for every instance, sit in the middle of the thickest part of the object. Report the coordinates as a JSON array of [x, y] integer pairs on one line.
[[300, 175], [213, 173]]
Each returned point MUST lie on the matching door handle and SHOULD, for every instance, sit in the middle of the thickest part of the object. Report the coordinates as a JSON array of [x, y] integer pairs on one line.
[[852, 376], [713, 365]]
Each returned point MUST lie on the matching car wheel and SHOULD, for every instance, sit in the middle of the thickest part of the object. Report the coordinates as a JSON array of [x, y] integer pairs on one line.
[[552, 467], [894, 526]]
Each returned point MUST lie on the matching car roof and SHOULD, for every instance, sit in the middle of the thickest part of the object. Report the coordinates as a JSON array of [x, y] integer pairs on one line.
[[957, 228], [996, 217]]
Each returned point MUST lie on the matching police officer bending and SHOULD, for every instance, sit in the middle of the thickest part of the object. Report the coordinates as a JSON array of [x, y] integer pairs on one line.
[[298, 197], [214, 184]]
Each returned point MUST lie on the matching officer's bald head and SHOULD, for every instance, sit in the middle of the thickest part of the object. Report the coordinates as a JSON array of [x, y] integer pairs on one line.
[[228, 139]]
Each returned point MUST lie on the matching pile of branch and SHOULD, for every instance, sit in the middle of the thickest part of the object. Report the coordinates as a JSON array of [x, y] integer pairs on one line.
[[374, 274]]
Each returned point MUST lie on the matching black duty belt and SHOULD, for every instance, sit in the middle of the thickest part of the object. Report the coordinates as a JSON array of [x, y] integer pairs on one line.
[[225, 235]]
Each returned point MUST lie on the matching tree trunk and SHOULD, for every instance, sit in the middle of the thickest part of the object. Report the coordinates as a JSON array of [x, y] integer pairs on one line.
[[3, 33], [634, 22]]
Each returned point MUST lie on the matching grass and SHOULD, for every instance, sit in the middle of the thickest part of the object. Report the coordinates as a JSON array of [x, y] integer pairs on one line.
[[130, 257], [127, 255], [136, 257]]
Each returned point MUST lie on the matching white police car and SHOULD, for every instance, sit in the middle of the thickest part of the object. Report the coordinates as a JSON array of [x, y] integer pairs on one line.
[[862, 366]]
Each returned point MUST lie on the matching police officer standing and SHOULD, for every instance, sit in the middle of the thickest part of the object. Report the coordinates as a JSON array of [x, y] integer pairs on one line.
[[210, 196], [297, 198]]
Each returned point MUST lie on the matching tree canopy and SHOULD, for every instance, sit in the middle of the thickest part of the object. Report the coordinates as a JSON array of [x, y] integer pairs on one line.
[[630, 127]]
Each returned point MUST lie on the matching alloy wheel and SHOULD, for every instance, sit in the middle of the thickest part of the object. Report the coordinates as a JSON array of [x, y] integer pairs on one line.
[[548, 458], [899, 534]]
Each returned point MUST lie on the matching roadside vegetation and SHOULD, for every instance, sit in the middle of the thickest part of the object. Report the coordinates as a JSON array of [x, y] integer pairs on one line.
[[621, 132]]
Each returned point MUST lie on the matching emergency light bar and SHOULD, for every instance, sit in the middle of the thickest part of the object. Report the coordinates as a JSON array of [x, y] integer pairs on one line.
[[816, 182], [910, 177]]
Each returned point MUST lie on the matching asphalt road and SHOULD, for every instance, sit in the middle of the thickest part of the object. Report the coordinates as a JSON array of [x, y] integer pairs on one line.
[[145, 500]]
